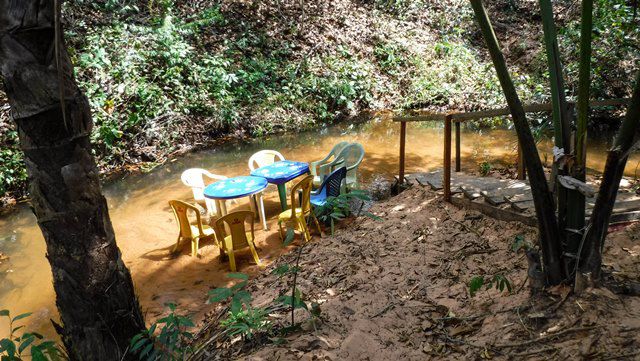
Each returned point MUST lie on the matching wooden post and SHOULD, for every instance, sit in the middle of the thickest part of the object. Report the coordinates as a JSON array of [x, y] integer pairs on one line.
[[457, 146], [446, 183], [403, 139], [522, 172]]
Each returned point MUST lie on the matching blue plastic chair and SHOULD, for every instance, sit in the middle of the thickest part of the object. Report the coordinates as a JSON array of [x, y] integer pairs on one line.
[[331, 187]]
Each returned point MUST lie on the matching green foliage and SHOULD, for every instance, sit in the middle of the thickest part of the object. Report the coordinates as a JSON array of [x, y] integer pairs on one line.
[[616, 35], [169, 343], [13, 174], [27, 344], [485, 168], [498, 281], [339, 208], [519, 242], [242, 318], [391, 57]]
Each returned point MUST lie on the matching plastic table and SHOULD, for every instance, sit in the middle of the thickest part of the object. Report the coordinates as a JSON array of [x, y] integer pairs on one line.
[[238, 187], [280, 173]]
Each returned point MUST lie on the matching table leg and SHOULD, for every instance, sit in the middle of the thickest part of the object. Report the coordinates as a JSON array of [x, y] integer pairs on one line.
[[221, 204], [260, 207], [282, 192]]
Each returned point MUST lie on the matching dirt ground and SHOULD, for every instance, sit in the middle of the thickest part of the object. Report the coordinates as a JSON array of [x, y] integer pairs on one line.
[[397, 288]]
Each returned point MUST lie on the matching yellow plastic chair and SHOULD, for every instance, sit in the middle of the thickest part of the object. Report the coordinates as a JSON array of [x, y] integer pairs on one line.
[[298, 213], [238, 238], [192, 232]]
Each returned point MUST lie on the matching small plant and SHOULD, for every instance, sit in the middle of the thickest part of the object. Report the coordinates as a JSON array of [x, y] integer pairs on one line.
[[294, 301], [169, 343], [243, 319], [339, 208], [519, 242], [498, 281], [14, 348], [485, 168]]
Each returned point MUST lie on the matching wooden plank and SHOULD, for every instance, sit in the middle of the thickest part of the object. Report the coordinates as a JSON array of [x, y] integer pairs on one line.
[[493, 212], [498, 112], [471, 192], [523, 206]]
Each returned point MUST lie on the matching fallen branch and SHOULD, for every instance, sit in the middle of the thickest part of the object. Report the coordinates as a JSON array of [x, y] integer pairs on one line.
[[546, 337]]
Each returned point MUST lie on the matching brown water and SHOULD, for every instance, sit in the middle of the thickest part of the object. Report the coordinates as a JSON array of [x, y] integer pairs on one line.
[[146, 231]]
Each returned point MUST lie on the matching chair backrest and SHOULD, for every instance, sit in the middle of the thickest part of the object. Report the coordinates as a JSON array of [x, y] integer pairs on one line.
[[263, 158], [335, 151], [333, 183], [303, 187], [236, 223], [194, 178], [180, 210], [352, 155]]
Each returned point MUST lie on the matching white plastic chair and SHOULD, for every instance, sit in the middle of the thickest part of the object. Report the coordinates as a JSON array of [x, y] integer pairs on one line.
[[350, 157], [194, 178], [263, 158], [320, 168]]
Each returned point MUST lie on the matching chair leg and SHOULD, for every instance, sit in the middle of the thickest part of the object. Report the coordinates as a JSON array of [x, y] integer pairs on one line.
[[252, 247], [281, 231], [232, 260], [194, 246], [303, 228], [177, 246], [315, 220]]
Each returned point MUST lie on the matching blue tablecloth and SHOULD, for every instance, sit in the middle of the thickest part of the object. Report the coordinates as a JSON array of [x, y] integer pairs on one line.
[[281, 172], [235, 187]]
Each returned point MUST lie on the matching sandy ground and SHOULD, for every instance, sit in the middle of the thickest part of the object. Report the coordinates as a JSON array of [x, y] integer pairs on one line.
[[398, 289]]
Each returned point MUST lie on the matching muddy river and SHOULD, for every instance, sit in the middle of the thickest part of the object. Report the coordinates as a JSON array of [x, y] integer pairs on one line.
[[146, 230]]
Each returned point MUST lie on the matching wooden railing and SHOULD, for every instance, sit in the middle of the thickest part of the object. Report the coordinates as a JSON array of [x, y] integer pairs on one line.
[[456, 118]]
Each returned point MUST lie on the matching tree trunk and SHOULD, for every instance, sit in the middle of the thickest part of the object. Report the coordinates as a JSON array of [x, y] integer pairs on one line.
[[591, 255], [94, 290], [542, 196]]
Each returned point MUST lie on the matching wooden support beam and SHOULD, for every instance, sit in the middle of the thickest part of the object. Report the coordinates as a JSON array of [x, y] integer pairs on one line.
[[457, 124], [446, 183], [490, 113], [403, 139]]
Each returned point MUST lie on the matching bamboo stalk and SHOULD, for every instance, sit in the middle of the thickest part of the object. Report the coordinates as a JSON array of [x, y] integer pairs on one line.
[[543, 198], [591, 256]]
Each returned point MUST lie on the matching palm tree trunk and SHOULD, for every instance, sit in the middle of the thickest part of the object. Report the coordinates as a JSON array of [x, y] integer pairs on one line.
[[542, 196], [94, 290]]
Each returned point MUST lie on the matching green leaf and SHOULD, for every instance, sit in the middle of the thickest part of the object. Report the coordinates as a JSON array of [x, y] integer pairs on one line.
[[8, 347], [475, 284], [219, 294], [4, 313], [146, 350], [281, 270], [141, 342], [16, 328], [237, 275], [288, 239], [19, 317], [25, 343], [37, 354], [243, 296]]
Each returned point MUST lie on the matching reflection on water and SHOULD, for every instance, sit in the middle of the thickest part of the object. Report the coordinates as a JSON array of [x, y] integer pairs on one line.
[[146, 230]]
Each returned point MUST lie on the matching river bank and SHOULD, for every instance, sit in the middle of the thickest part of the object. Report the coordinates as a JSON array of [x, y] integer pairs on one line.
[[398, 288]]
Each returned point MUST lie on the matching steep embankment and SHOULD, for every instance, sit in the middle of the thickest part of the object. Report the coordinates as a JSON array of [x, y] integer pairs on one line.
[[164, 77]]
